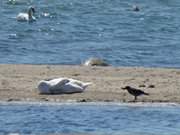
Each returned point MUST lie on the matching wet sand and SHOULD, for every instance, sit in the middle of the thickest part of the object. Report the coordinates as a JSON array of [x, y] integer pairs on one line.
[[19, 83]]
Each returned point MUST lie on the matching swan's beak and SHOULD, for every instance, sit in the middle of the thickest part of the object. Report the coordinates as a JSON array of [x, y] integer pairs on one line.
[[33, 10]]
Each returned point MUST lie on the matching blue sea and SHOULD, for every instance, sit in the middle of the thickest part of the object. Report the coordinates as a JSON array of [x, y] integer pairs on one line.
[[89, 119], [68, 32], [71, 31]]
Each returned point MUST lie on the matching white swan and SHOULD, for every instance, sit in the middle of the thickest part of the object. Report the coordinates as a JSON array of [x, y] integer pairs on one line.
[[27, 16], [62, 85]]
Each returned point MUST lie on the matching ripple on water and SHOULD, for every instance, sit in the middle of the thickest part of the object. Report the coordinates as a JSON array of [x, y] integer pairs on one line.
[[82, 24], [18, 2], [110, 118], [12, 36]]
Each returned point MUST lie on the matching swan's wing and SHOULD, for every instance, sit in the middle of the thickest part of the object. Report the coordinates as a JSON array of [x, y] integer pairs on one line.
[[80, 83], [57, 81], [62, 82], [56, 85], [71, 88], [22, 17]]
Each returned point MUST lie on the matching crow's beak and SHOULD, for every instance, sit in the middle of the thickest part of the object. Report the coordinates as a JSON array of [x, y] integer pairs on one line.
[[123, 88]]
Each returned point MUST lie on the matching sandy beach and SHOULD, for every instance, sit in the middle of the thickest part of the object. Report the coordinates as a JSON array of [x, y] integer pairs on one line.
[[19, 83]]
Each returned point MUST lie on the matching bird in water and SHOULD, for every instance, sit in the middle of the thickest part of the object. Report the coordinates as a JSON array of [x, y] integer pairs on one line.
[[135, 8], [28, 17], [135, 92]]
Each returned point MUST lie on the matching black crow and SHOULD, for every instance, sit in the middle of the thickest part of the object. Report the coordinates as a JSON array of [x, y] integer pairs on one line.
[[135, 92]]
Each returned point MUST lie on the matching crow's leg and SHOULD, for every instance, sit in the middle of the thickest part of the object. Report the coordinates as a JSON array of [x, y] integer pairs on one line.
[[135, 98]]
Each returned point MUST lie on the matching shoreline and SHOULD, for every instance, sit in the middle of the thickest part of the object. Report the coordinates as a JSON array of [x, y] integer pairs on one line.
[[136, 104], [18, 82]]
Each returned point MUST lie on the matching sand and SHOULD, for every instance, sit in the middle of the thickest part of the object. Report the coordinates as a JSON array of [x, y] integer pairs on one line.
[[19, 83]]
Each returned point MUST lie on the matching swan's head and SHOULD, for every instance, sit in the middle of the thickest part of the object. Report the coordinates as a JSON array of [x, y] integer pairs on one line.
[[31, 11], [44, 87]]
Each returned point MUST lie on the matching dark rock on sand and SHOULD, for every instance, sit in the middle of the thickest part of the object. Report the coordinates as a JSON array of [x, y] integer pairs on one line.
[[95, 62]]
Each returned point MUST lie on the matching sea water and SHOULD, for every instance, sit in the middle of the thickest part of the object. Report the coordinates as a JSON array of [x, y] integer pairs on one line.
[[95, 119], [71, 31]]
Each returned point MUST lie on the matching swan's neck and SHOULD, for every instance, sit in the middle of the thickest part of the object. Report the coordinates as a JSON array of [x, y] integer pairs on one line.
[[30, 14]]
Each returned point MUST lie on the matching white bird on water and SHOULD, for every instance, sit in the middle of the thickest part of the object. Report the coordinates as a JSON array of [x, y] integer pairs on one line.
[[29, 16], [62, 86]]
